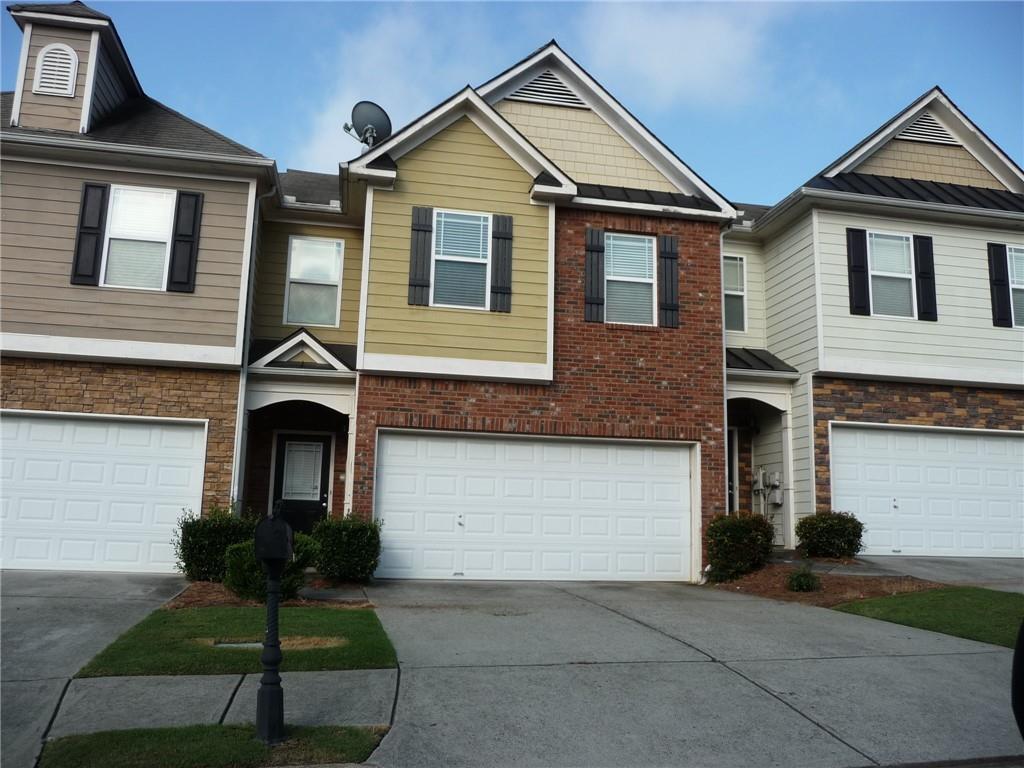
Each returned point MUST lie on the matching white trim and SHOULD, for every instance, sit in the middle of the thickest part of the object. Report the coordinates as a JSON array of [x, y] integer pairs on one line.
[[671, 210], [90, 82], [288, 281], [1013, 287], [134, 169], [94, 415], [69, 93], [839, 365], [74, 21], [273, 465], [652, 280], [300, 338], [819, 318], [26, 41], [742, 293], [810, 448], [749, 373], [487, 262], [550, 337], [912, 277], [87, 348], [452, 367], [350, 452], [733, 441], [1017, 433], [336, 395], [238, 452], [247, 276], [364, 279], [788, 484], [168, 239], [776, 394]]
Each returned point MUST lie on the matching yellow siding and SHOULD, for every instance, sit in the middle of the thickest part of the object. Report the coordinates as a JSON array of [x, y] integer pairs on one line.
[[930, 162], [459, 169], [583, 145], [268, 298], [55, 113]]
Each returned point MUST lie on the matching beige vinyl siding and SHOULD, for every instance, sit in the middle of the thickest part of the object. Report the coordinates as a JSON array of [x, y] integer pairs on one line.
[[583, 145], [753, 263], [962, 345], [55, 113], [766, 452], [791, 332], [459, 169], [930, 162], [107, 90], [271, 274], [39, 225]]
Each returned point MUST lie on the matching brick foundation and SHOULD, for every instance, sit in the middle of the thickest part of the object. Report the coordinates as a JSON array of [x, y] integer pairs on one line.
[[886, 402], [134, 390]]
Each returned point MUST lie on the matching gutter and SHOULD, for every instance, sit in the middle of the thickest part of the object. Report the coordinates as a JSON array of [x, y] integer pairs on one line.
[[750, 373]]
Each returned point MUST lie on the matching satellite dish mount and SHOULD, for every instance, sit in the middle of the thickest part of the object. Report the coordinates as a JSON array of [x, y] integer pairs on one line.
[[370, 123]]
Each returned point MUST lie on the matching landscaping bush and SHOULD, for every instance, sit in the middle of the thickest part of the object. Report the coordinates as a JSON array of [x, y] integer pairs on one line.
[[803, 580], [349, 548], [737, 544], [830, 534], [247, 579], [200, 542]]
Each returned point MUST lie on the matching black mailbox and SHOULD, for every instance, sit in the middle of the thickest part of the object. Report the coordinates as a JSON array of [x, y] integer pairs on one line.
[[273, 539]]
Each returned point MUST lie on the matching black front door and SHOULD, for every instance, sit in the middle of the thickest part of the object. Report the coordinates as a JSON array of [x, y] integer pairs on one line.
[[302, 478]]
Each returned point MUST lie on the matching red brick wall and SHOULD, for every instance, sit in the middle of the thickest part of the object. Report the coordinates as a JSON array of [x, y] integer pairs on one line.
[[609, 380], [887, 402], [134, 390]]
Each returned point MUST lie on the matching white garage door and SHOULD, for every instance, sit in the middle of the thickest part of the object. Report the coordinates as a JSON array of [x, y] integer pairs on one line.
[[507, 508], [927, 492], [96, 494]]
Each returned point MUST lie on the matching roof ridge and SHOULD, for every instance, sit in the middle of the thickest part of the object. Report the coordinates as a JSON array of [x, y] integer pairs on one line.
[[202, 127]]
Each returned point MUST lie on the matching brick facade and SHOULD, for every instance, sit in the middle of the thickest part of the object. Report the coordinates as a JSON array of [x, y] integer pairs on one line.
[[887, 402], [134, 390], [609, 381]]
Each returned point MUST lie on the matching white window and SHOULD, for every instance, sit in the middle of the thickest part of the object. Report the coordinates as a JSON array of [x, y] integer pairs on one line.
[[629, 291], [138, 238], [891, 264], [312, 294], [734, 280], [461, 263], [1016, 269], [56, 71]]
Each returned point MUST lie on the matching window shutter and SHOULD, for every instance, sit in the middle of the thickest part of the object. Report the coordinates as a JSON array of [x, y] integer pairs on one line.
[[857, 268], [593, 288], [188, 214], [924, 271], [501, 264], [92, 220], [668, 281], [999, 285], [419, 256]]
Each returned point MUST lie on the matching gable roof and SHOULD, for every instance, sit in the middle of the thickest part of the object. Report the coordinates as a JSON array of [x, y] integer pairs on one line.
[[76, 9], [551, 57], [266, 355]]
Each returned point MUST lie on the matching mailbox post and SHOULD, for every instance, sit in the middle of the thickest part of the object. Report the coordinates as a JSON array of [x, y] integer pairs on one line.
[[273, 542]]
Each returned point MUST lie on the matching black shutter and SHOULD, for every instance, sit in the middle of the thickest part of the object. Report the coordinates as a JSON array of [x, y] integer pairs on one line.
[[857, 268], [419, 256], [668, 281], [999, 285], [593, 287], [188, 214], [924, 272], [501, 264], [92, 220]]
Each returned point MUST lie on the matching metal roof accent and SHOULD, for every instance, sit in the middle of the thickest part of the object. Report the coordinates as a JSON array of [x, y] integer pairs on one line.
[[746, 359], [927, 128], [548, 88], [648, 196], [919, 190]]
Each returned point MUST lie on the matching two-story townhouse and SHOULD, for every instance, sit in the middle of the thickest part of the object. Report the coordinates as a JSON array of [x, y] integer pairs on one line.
[[126, 248], [892, 285]]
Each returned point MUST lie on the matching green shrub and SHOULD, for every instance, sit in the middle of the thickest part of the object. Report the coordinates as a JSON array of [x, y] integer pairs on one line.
[[737, 544], [349, 548], [200, 542], [247, 579], [803, 580], [830, 534]]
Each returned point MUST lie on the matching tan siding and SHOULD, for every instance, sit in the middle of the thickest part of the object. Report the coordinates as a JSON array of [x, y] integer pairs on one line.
[[39, 224], [930, 162], [753, 261], [460, 169], [55, 113], [583, 145], [268, 298]]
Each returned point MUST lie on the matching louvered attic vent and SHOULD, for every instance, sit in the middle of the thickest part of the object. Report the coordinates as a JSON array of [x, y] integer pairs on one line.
[[927, 128], [548, 88], [56, 71]]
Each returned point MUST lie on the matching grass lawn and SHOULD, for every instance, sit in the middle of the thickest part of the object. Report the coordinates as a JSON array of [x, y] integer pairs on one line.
[[209, 746], [970, 612], [181, 642]]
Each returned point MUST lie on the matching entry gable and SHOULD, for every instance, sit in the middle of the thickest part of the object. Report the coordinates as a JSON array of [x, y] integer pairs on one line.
[[301, 351]]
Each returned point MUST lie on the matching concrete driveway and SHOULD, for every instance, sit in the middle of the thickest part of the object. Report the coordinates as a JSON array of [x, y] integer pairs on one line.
[[544, 674], [1002, 573], [51, 624]]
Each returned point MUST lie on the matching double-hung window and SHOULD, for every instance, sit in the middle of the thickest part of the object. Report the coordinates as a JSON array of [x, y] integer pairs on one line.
[[1015, 256], [735, 283], [891, 264], [313, 291], [138, 244], [629, 279], [461, 261]]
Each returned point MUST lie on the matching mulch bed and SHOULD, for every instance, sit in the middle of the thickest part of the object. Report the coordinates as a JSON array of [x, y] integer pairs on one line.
[[770, 582], [205, 594]]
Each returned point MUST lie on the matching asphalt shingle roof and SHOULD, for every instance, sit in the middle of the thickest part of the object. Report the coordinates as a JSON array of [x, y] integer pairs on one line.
[[76, 9], [921, 191], [310, 187]]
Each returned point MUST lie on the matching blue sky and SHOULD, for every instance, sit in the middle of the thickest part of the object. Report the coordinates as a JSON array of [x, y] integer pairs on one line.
[[755, 97]]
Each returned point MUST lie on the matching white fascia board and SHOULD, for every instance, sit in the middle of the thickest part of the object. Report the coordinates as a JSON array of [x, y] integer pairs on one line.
[[301, 373], [455, 368], [118, 350], [667, 210], [839, 365], [90, 81], [26, 41], [53, 18], [303, 337], [744, 373]]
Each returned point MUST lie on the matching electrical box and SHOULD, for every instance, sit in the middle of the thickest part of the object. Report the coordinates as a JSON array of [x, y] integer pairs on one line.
[[775, 497], [759, 480]]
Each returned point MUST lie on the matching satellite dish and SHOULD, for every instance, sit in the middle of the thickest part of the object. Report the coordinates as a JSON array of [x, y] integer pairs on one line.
[[370, 123]]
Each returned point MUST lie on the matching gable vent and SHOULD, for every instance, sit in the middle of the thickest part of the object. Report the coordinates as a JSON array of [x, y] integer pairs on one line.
[[927, 128], [56, 71], [548, 88]]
